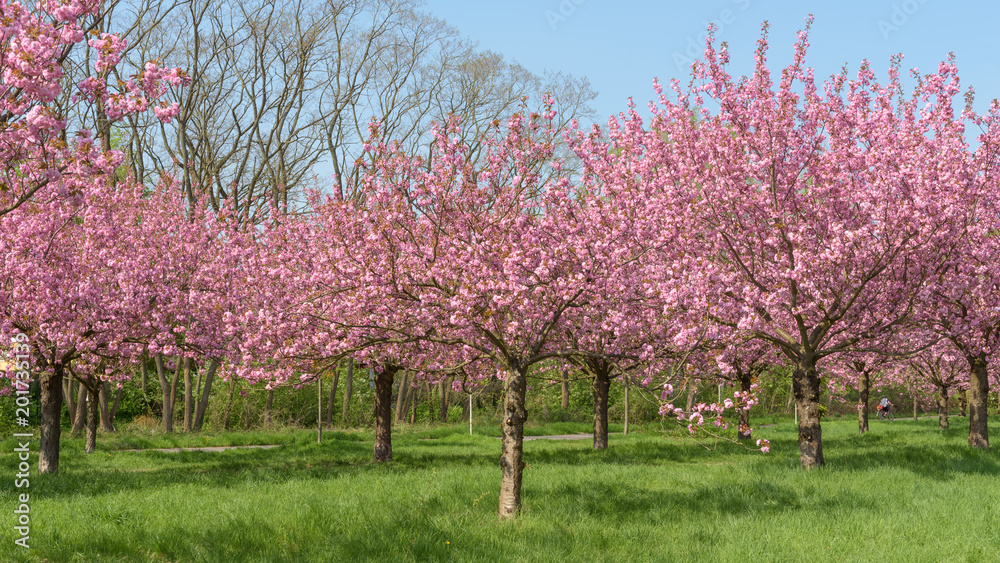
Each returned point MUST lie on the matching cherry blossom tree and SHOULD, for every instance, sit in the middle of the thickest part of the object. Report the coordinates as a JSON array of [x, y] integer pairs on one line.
[[489, 266], [964, 305], [814, 214], [941, 368], [45, 163]]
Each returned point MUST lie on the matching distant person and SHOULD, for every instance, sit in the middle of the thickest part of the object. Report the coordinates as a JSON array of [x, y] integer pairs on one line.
[[884, 405]]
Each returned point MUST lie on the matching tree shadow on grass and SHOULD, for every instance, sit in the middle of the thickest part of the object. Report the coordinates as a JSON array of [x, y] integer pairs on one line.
[[344, 456], [623, 501], [921, 448], [105, 472], [110, 471], [941, 462]]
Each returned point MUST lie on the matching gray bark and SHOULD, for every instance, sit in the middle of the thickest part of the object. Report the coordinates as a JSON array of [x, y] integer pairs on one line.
[[601, 387], [979, 436], [93, 415], [80, 415], [806, 389], [743, 431], [445, 390], [942, 407], [432, 410], [107, 419], [168, 407], [188, 393], [267, 407], [348, 391], [67, 391], [227, 418], [383, 413], [401, 399], [692, 393], [512, 457], [411, 401], [565, 389], [199, 416], [864, 385], [333, 395], [625, 430], [51, 413], [173, 389]]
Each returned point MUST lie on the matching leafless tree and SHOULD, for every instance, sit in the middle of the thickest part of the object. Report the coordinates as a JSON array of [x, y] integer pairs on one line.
[[282, 89]]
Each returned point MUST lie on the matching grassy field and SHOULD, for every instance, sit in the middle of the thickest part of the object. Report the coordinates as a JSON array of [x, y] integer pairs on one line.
[[903, 492]]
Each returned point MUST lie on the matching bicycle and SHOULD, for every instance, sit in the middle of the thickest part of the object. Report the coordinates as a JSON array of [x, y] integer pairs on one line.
[[885, 414]]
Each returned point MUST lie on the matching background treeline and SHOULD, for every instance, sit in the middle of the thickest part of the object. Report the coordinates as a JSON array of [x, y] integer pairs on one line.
[[236, 404]]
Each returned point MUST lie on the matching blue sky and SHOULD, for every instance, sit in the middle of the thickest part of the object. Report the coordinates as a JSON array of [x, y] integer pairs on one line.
[[622, 45]]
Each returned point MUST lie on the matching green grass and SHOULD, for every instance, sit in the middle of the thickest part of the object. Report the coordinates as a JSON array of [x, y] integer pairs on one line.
[[903, 492]]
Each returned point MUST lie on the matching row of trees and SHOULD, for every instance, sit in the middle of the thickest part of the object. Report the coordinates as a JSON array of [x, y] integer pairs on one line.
[[748, 222]]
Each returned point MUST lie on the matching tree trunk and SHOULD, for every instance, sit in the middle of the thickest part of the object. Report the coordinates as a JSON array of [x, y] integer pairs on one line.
[[963, 400], [601, 386], [942, 407], [401, 399], [625, 430], [51, 413], [333, 395], [348, 391], [914, 407], [692, 389], [93, 415], [199, 415], [978, 395], [197, 392], [118, 400], [565, 389], [168, 408], [413, 399], [864, 385], [80, 415], [805, 387], [743, 431], [383, 412], [188, 393], [267, 407], [173, 388], [791, 401], [67, 391], [229, 403], [432, 409], [512, 456], [107, 423], [445, 388], [319, 410]]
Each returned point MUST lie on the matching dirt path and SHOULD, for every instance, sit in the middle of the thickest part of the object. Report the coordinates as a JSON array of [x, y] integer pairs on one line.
[[559, 437], [566, 436], [206, 449]]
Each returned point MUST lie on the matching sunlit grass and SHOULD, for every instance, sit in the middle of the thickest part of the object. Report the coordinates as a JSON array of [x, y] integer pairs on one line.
[[903, 492]]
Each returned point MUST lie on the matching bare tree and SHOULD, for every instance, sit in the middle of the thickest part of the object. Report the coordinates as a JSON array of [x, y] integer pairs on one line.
[[282, 89]]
